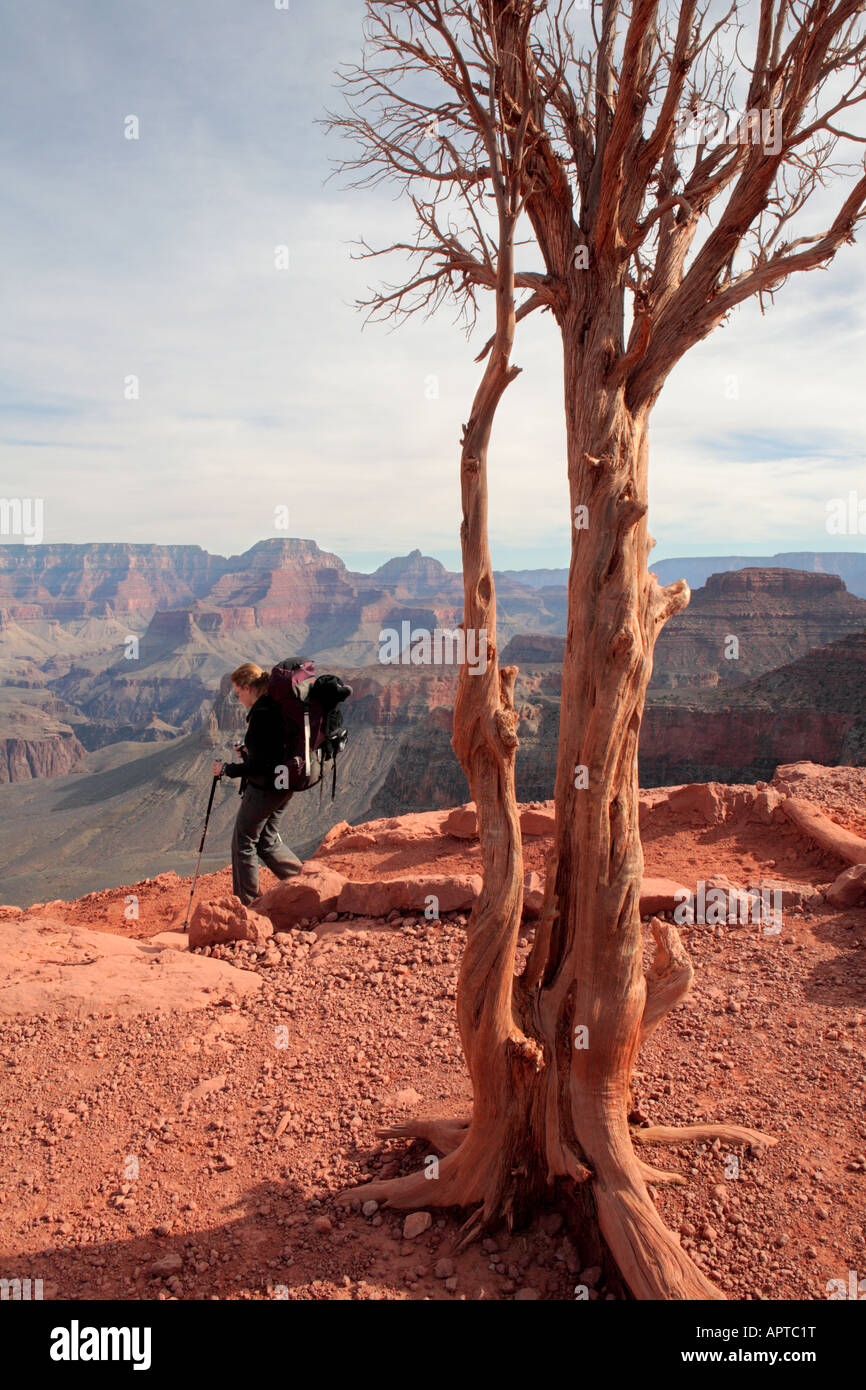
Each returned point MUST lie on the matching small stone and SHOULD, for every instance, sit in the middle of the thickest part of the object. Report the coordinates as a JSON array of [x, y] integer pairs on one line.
[[416, 1222], [322, 1226], [591, 1276], [443, 1269], [166, 1265], [370, 1208], [527, 1295]]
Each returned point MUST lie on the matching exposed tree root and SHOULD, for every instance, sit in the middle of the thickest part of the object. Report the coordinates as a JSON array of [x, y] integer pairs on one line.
[[668, 979], [685, 1134], [649, 1258], [479, 1173], [657, 1177], [445, 1135]]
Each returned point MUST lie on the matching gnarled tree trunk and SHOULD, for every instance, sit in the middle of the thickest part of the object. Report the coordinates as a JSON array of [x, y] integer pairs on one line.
[[591, 988], [551, 1054]]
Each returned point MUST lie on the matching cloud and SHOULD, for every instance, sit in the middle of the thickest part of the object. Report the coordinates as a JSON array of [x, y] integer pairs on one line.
[[260, 387]]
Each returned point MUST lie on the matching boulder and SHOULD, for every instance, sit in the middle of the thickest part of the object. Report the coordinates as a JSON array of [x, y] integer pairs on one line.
[[52, 967], [849, 888], [739, 801], [356, 840], [538, 820], [766, 805], [226, 919], [334, 834], [743, 905], [660, 895], [313, 892], [462, 822], [702, 798], [793, 894], [408, 893]]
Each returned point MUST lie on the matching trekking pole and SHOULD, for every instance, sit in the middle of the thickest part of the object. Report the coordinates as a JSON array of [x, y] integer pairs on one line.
[[213, 786]]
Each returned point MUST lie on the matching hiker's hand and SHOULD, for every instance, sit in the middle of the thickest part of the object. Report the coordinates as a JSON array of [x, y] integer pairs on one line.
[[218, 769]]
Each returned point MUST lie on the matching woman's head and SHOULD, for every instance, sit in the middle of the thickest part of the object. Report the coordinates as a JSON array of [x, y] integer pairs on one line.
[[249, 681]]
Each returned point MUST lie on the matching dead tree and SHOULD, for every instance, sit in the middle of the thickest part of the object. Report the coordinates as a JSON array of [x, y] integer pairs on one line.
[[648, 229]]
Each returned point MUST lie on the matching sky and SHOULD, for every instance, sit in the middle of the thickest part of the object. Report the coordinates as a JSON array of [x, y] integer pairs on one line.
[[148, 265]]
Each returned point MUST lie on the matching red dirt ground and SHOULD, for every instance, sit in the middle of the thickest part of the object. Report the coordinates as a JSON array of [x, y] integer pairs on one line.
[[240, 1182]]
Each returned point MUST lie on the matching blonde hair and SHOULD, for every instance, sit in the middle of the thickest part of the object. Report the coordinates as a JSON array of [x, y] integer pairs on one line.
[[249, 676]]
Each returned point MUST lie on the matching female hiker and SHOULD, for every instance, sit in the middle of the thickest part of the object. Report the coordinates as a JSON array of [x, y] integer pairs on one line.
[[256, 834]]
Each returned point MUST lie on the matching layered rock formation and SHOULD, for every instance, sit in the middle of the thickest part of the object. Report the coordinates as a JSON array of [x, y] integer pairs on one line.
[[51, 756], [811, 709], [35, 740], [849, 565], [74, 581], [748, 621], [283, 583]]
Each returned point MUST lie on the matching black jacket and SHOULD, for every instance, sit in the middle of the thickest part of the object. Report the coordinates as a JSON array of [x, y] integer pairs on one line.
[[265, 746]]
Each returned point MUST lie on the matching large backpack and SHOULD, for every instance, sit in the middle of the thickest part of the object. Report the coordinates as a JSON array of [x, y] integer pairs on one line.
[[312, 721]]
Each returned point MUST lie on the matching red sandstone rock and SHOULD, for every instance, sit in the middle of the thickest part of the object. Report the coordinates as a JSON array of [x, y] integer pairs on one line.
[[357, 840], [462, 822], [849, 888], [700, 797], [226, 919], [334, 834], [766, 805], [311, 893], [661, 895], [538, 820], [56, 967], [454, 893]]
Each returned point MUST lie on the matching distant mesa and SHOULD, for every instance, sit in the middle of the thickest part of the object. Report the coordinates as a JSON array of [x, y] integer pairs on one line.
[[849, 565], [415, 566], [754, 579]]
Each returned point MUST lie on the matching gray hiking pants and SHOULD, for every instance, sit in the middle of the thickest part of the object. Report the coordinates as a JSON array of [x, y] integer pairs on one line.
[[256, 836]]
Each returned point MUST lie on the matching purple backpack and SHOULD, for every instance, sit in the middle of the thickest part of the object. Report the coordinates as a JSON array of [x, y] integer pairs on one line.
[[312, 721]]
